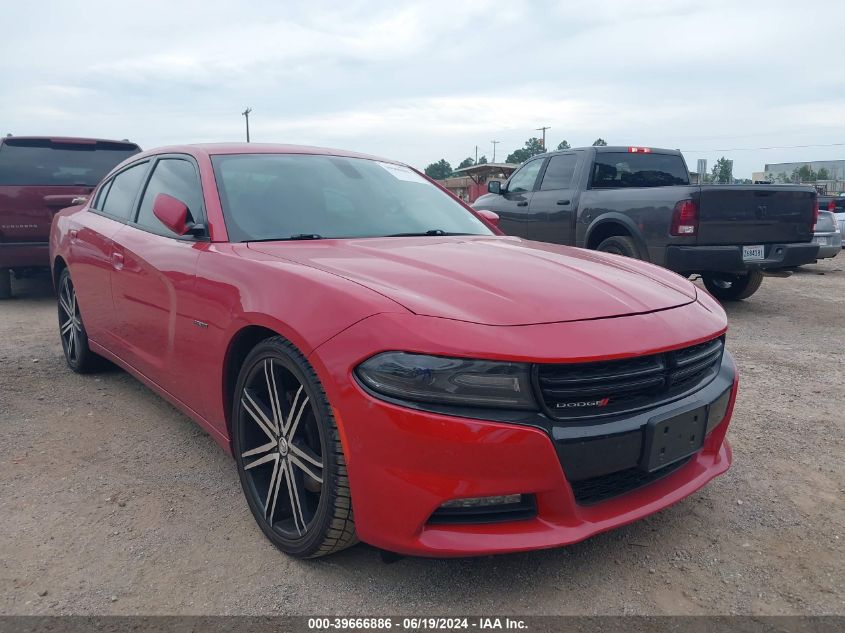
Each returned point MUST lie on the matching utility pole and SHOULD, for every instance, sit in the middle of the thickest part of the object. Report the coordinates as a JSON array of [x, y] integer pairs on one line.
[[246, 114], [476, 154], [543, 129], [494, 149]]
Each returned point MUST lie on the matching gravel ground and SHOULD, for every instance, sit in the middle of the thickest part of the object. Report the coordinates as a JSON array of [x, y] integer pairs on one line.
[[111, 502]]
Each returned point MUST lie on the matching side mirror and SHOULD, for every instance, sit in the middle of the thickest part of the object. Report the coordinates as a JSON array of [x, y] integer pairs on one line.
[[494, 186], [490, 216], [174, 214]]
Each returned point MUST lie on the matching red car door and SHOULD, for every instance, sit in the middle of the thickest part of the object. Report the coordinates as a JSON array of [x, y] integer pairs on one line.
[[92, 249], [153, 282]]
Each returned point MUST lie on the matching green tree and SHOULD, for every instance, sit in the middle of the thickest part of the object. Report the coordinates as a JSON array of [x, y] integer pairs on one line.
[[721, 172], [600, 142], [806, 174], [783, 177], [533, 146], [564, 145], [466, 162], [823, 174], [482, 160], [439, 170]]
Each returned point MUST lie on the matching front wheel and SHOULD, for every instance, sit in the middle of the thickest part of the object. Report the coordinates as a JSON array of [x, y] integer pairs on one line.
[[289, 457], [732, 287]]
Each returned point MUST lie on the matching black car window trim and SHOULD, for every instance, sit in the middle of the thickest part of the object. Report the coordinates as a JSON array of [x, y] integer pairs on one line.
[[102, 192], [199, 216], [102, 199], [540, 173]]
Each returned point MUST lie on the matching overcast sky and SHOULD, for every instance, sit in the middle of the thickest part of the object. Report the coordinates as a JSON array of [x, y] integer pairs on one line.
[[422, 81]]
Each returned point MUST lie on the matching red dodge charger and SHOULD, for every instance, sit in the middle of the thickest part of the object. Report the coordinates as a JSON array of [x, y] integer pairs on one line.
[[382, 362]]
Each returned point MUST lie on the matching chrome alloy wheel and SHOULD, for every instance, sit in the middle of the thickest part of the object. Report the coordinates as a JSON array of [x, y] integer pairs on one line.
[[70, 322], [282, 440]]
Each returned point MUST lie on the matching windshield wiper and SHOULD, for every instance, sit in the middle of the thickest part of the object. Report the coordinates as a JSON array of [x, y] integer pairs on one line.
[[290, 238], [422, 233]]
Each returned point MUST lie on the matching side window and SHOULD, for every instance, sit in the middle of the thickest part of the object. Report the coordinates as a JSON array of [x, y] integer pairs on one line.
[[175, 177], [122, 191], [101, 196], [560, 172], [524, 179]]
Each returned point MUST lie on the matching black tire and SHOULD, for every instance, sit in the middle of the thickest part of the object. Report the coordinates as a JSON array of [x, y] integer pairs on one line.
[[315, 517], [620, 245], [78, 355], [732, 287], [5, 283]]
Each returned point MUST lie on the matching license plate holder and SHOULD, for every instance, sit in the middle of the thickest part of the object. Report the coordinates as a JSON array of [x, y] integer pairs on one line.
[[753, 253], [672, 438]]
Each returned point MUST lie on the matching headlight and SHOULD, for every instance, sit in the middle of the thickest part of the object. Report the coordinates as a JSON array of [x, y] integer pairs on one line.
[[475, 383]]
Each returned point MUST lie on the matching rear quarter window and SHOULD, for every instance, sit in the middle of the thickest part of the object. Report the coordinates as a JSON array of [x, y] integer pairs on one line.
[[617, 170]]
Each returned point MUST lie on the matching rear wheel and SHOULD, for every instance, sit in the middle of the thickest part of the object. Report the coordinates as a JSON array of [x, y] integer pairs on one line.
[[620, 245], [732, 287], [289, 457], [78, 355]]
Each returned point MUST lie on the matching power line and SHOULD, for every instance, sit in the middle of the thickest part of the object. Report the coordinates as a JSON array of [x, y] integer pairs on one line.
[[751, 149]]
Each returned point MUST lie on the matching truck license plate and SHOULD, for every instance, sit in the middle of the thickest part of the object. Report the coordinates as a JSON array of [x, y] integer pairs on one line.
[[753, 252], [822, 241]]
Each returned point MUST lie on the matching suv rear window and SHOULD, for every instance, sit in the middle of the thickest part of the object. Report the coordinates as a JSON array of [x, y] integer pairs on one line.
[[615, 170], [50, 163]]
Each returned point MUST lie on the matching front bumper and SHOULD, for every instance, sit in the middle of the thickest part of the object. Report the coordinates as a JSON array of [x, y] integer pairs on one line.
[[24, 254], [404, 463], [728, 259]]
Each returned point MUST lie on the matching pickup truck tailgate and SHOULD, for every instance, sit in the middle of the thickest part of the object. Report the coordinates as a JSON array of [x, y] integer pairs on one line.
[[748, 214]]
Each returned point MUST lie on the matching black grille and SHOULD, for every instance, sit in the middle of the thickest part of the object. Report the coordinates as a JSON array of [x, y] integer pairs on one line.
[[578, 390], [597, 489]]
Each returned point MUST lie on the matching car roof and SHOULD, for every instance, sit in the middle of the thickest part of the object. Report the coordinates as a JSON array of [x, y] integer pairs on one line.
[[67, 139], [623, 149], [218, 149]]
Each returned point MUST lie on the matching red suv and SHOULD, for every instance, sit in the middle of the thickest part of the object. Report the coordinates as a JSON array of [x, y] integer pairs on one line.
[[38, 176]]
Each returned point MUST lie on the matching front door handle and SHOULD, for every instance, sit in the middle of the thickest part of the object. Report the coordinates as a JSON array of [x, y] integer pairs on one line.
[[522, 204], [563, 202], [117, 260]]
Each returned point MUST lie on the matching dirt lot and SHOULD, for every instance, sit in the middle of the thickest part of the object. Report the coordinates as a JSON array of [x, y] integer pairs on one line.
[[112, 502]]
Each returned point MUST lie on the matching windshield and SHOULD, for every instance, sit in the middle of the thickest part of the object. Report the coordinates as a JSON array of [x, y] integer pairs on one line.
[[27, 162], [304, 196]]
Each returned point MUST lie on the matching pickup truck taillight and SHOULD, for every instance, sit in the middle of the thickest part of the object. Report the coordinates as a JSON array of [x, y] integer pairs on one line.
[[685, 218], [815, 212], [831, 206]]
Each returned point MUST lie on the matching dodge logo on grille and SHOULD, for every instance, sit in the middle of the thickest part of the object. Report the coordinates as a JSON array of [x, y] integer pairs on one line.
[[583, 403]]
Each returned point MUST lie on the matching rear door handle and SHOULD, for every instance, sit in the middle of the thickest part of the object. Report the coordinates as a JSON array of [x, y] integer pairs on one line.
[[117, 260], [522, 204], [563, 202]]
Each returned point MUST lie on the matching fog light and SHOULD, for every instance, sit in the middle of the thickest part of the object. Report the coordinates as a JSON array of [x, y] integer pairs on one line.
[[486, 509], [479, 502]]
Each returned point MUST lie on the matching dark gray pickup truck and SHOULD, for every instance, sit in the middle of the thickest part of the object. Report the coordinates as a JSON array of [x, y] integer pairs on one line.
[[638, 202]]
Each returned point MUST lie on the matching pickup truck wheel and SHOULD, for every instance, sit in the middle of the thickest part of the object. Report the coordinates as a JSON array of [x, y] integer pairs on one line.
[[620, 245], [728, 287], [5, 283]]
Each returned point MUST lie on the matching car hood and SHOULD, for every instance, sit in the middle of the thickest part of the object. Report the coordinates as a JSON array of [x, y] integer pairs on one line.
[[493, 280]]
